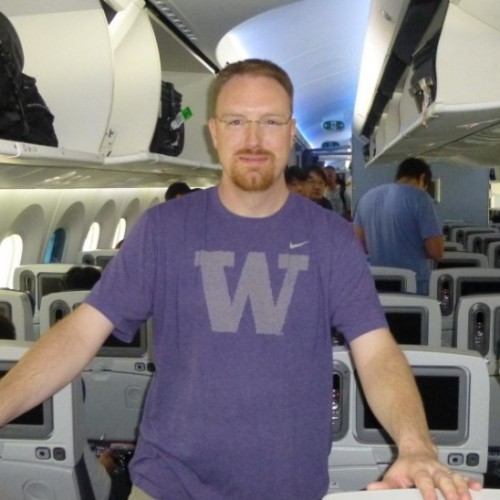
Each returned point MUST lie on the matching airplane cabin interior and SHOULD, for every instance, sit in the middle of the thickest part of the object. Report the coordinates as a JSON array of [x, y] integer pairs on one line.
[[123, 86]]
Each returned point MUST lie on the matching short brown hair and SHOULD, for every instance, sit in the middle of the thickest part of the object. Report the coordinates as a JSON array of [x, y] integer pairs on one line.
[[255, 67]]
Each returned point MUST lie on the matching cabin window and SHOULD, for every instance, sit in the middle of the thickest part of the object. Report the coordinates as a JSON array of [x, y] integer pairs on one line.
[[11, 250], [92, 239], [55, 246], [119, 232]]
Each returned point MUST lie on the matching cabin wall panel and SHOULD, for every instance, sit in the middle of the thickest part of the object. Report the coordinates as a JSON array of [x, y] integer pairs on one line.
[[107, 220], [29, 225], [464, 192], [464, 189], [35, 214]]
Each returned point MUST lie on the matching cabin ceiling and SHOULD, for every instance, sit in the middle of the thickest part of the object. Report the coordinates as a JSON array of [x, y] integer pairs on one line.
[[319, 43], [210, 20]]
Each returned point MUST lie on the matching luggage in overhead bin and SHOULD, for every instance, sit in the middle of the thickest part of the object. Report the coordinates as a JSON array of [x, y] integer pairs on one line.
[[168, 138], [24, 115]]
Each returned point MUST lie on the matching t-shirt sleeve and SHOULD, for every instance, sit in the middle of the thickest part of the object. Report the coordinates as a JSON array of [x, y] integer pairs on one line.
[[358, 215], [428, 219], [354, 303], [124, 294]]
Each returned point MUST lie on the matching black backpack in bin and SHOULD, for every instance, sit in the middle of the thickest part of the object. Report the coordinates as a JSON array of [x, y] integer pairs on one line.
[[24, 115], [168, 138]]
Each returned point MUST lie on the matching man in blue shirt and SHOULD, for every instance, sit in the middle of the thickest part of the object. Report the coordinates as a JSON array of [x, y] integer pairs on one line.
[[397, 223]]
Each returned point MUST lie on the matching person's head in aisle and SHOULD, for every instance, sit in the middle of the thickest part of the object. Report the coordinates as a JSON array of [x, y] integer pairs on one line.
[[317, 181], [296, 180], [80, 278], [177, 190]]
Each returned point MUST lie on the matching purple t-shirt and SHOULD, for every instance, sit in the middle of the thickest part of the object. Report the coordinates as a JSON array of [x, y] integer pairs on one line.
[[239, 405]]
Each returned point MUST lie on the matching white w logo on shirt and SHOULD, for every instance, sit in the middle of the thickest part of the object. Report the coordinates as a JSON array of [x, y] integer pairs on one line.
[[254, 285]]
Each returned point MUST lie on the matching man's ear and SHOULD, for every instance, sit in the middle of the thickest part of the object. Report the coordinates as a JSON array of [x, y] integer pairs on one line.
[[422, 181]]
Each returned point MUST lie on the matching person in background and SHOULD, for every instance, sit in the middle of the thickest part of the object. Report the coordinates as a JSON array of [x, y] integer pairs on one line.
[[243, 305], [80, 278], [176, 190], [332, 190], [316, 180], [296, 180], [335, 192], [397, 223]]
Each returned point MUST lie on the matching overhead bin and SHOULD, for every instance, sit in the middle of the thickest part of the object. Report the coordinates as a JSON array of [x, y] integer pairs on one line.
[[447, 103], [99, 71], [136, 84], [67, 49], [102, 82]]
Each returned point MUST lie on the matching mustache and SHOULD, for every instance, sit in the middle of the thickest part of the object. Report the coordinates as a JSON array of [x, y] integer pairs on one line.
[[254, 151]]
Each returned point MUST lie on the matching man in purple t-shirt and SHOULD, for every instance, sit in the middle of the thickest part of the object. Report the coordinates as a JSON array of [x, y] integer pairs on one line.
[[244, 282]]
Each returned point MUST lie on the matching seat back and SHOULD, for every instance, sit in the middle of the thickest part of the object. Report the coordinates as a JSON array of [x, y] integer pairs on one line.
[[413, 319], [462, 259], [451, 383], [16, 307], [394, 279], [44, 452], [99, 258], [116, 381]]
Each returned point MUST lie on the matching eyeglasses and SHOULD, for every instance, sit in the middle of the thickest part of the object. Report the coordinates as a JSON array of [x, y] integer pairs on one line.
[[268, 123]]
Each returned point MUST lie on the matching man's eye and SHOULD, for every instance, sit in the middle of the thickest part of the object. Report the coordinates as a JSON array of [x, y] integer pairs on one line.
[[235, 122]]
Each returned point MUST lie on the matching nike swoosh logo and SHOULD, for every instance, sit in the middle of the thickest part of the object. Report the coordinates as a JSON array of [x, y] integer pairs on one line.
[[293, 246]]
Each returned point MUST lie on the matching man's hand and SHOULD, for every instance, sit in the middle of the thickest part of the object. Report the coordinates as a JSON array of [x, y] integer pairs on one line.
[[426, 473]]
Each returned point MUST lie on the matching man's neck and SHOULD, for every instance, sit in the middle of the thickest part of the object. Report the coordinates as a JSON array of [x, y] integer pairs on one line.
[[409, 181], [255, 204]]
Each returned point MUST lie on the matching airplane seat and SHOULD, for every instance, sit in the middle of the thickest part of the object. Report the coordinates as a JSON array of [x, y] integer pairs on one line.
[[477, 320], [394, 279], [98, 257], [44, 452], [462, 259], [453, 246], [114, 403], [413, 319], [39, 280], [460, 233], [116, 381], [493, 254], [449, 225], [478, 328], [478, 242], [447, 286], [451, 383], [16, 306]]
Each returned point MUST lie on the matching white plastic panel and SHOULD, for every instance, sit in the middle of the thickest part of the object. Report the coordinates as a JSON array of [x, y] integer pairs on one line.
[[137, 84], [466, 65]]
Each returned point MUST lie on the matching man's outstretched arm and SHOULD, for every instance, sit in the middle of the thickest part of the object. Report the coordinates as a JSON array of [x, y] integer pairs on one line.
[[53, 361]]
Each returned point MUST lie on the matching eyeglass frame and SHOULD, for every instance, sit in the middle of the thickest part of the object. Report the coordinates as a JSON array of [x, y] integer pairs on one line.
[[275, 126]]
